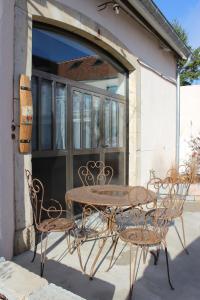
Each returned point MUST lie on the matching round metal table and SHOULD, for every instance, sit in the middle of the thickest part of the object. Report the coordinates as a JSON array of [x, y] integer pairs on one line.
[[111, 195], [107, 199]]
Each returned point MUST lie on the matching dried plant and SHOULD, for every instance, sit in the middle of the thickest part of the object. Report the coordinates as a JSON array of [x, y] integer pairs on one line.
[[194, 161]]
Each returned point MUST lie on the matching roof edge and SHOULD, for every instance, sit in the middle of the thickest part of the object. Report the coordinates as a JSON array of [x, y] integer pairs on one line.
[[148, 10]]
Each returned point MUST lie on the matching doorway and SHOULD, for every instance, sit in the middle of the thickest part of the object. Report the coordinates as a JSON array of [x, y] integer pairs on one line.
[[79, 103]]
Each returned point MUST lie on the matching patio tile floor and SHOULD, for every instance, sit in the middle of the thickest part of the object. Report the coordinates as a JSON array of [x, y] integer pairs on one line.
[[64, 271]]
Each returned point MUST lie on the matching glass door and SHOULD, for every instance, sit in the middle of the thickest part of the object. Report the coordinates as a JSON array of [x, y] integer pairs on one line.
[[74, 123], [50, 140], [98, 132], [79, 99], [114, 138]]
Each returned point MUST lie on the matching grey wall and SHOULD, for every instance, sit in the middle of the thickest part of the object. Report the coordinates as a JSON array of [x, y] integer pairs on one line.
[[6, 144]]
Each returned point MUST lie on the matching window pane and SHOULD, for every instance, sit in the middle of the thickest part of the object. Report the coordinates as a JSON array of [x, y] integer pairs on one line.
[[34, 83], [116, 161], [107, 123], [68, 56], [46, 115], [96, 120], [77, 120], [60, 116], [114, 124], [87, 121], [121, 124], [52, 172]]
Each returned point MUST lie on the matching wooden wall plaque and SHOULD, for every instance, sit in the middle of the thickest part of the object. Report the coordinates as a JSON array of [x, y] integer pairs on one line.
[[26, 114]]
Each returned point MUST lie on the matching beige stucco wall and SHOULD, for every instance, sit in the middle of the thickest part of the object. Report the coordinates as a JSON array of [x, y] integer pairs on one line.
[[158, 124], [189, 118], [128, 42], [137, 40], [6, 143]]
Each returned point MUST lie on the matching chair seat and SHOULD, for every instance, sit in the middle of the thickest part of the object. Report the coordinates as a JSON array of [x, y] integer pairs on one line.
[[61, 224], [140, 236], [130, 217]]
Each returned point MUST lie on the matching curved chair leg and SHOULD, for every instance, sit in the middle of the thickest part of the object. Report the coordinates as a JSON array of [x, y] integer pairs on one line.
[[168, 273], [70, 245], [43, 253], [133, 273], [180, 239], [92, 272], [79, 256], [36, 243], [156, 255], [183, 230], [114, 245]]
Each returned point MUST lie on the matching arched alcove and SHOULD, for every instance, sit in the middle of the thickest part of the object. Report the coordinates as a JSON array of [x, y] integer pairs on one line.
[[80, 96]]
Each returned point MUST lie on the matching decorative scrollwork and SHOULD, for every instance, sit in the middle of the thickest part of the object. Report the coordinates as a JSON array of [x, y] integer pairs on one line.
[[55, 210], [171, 194], [94, 173], [36, 192]]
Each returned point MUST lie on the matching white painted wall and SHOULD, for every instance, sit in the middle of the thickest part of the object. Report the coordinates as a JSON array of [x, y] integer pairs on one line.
[[189, 117], [6, 144], [158, 124]]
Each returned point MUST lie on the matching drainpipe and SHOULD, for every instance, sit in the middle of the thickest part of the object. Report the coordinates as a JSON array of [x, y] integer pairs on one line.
[[179, 71]]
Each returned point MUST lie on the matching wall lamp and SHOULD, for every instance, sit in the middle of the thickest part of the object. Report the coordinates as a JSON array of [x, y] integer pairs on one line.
[[114, 4]]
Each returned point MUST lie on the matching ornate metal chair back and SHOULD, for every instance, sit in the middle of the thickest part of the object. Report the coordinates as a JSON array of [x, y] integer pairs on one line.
[[171, 193], [181, 184], [36, 193], [94, 173], [141, 201], [182, 175], [166, 202], [162, 188]]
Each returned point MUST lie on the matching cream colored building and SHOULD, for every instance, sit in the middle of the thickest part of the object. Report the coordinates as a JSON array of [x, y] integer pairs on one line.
[[189, 119], [134, 107]]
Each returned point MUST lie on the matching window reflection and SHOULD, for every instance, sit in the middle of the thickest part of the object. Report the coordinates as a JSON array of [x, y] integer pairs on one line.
[[96, 120], [121, 124], [87, 121], [107, 118], [46, 115], [34, 83], [77, 120], [67, 56], [60, 116], [114, 124]]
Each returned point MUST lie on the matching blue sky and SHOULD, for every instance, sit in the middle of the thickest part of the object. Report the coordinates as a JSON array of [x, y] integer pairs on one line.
[[187, 12]]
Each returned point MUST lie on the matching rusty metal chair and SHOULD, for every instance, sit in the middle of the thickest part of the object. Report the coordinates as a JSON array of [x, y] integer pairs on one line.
[[46, 220], [176, 184], [147, 232], [94, 173], [125, 217], [95, 220]]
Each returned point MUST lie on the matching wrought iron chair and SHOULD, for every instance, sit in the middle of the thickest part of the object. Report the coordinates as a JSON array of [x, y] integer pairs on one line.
[[147, 232], [95, 220], [124, 217], [94, 173], [46, 220], [177, 183]]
